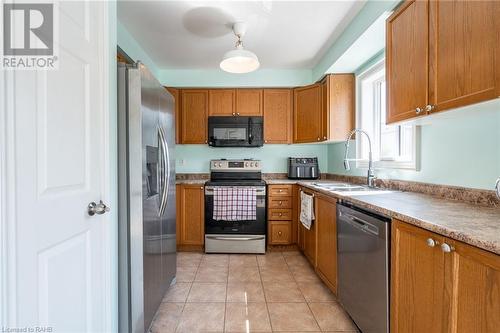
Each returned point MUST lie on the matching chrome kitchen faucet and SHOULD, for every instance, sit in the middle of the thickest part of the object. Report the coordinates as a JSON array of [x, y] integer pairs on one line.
[[370, 178]]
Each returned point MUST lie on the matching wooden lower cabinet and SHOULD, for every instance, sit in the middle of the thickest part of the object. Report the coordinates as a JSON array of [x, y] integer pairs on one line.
[[472, 287], [326, 224], [437, 291], [190, 216], [280, 232], [279, 215]]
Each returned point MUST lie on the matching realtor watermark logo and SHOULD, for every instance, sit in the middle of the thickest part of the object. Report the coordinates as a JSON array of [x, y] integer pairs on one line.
[[29, 32]]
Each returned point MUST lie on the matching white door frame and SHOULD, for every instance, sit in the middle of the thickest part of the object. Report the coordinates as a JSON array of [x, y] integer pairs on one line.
[[8, 278]]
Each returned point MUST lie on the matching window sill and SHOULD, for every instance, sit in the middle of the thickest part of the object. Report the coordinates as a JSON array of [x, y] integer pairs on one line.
[[389, 165]]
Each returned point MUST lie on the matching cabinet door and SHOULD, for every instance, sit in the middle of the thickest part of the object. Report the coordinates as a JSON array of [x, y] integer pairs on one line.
[[310, 243], [221, 102], [307, 114], [326, 223], [194, 116], [464, 52], [277, 115], [407, 35], [473, 286], [192, 215], [417, 280], [279, 232], [249, 102], [338, 106]]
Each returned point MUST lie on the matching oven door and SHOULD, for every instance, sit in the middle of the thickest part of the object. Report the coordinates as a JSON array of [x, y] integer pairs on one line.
[[256, 227]]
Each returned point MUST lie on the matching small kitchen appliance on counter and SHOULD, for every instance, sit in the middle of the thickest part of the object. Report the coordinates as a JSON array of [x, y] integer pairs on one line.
[[303, 168], [235, 183]]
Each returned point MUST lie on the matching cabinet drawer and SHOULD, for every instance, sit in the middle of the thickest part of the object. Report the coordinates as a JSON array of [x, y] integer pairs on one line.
[[279, 214], [280, 202], [280, 232], [280, 190]]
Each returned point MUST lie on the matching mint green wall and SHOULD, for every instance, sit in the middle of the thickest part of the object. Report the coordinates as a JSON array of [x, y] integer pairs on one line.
[[219, 78], [458, 147], [370, 12], [133, 49], [195, 158]]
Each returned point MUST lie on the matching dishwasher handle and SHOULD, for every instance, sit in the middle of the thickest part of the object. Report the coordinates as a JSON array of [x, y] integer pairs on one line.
[[361, 224]]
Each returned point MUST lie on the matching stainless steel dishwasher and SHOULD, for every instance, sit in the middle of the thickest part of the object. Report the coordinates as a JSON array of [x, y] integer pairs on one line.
[[363, 239]]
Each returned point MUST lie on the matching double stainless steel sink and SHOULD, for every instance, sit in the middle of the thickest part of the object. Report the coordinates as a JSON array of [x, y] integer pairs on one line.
[[352, 189]]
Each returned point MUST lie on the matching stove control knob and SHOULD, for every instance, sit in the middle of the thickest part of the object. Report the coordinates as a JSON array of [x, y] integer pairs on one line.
[[256, 164], [220, 164], [246, 164], [251, 164]]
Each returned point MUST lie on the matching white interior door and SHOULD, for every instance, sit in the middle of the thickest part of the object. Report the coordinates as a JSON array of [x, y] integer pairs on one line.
[[55, 257]]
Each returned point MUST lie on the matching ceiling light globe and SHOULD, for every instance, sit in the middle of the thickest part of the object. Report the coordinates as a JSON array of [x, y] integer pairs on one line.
[[239, 61]]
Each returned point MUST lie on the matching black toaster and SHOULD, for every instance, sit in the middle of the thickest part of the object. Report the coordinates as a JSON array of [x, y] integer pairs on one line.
[[303, 168]]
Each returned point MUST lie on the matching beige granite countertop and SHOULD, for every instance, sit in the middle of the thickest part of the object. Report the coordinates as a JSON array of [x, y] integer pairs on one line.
[[190, 181], [475, 225], [472, 224]]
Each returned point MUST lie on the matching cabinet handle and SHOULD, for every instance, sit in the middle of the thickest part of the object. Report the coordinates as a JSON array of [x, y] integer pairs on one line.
[[318, 138], [281, 203], [429, 108], [280, 190], [201, 188], [280, 233], [431, 242], [324, 138], [265, 141], [418, 110], [446, 248], [281, 214], [234, 114], [237, 113], [206, 141]]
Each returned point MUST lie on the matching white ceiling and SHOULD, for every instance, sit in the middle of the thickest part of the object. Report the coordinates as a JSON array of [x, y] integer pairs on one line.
[[196, 34]]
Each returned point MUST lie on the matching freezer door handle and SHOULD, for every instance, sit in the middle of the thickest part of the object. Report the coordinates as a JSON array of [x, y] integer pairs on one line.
[[164, 170]]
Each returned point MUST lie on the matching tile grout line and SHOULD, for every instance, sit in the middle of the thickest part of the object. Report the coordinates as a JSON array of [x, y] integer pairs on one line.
[[185, 302], [265, 297], [307, 303]]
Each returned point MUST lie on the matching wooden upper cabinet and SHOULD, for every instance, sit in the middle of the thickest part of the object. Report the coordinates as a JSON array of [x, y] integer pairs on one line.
[[191, 215], [194, 113], [417, 280], [464, 52], [278, 115], [177, 109], [473, 281], [441, 55], [307, 114], [407, 74], [249, 102], [338, 104], [221, 102], [327, 240]]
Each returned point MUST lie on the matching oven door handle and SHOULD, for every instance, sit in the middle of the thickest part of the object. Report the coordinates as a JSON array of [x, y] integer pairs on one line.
[[236, 238]]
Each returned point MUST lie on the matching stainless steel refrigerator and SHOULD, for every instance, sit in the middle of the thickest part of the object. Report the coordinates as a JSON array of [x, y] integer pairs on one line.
[[146, 185]]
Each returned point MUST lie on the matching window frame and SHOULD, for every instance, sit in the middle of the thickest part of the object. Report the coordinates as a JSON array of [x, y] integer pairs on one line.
[[414, 163]]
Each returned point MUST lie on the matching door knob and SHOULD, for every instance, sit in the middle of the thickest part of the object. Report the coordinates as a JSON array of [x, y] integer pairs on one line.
[[98, 209], [431, 242], [447, 248]]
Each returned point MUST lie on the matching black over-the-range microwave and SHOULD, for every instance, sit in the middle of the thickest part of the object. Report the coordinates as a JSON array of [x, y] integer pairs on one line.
[[235, 131]]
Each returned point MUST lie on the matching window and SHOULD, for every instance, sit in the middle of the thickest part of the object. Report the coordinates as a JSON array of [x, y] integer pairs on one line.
[[394, 146]]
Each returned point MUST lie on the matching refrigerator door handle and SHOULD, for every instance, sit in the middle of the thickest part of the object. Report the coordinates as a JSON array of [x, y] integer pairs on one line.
[[165, 170]]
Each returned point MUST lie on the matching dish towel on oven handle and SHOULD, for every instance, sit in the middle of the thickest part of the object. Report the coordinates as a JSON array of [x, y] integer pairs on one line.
[[236, 203], [306, 210]]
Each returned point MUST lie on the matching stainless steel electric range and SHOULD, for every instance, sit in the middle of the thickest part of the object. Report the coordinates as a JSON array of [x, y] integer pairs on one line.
[[246, 236]]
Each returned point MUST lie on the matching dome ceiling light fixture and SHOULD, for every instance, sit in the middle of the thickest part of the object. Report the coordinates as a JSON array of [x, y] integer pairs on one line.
[[239, 61]]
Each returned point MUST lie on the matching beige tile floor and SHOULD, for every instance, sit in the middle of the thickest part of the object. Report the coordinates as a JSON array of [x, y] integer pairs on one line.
[[276, 292]]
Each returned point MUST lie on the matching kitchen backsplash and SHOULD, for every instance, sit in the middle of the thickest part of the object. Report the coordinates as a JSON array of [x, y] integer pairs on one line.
[[195, 158]]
